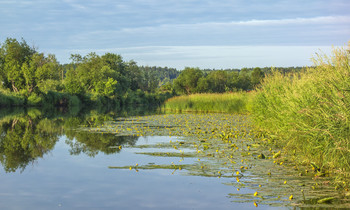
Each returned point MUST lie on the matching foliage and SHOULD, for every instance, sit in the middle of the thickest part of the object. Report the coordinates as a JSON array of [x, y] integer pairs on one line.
[[108, 79], [256, 76], [194, 80], [8, 99], [187, 81], [309, 111]]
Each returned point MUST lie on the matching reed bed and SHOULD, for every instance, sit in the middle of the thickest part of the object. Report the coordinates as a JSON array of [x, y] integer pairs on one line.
[[211, 102], [309, 112]]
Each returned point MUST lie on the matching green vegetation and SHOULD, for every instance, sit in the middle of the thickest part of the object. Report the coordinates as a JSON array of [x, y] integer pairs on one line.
[[30, 78], [194, 80], [306, 112], [224, 146], [29, 134], [238, 102], [309, 112]]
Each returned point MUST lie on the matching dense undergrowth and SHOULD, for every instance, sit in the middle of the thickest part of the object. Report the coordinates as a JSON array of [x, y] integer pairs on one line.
[[70, 101]]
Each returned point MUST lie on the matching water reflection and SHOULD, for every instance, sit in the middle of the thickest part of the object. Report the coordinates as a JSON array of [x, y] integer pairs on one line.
[[93, 143], [24, 139], [26, 135]]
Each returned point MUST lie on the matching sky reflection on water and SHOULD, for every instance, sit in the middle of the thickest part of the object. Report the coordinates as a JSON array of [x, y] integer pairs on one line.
[[63, 181]]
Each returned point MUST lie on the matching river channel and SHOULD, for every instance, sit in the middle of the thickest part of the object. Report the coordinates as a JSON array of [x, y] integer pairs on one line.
[[148, 160]]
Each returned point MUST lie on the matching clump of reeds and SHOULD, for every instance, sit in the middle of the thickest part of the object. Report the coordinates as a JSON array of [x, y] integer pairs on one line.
[[309, 111], [211, 102]]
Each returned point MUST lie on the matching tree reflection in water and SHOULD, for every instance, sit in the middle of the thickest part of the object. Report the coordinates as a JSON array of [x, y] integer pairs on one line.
[[27, 136]]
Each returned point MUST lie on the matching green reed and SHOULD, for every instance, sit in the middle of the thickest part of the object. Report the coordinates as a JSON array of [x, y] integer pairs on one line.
[[238, 102], [309, 111]]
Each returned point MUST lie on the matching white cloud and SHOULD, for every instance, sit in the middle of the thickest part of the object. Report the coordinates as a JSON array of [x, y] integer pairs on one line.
[[276, 22], [213, 56]]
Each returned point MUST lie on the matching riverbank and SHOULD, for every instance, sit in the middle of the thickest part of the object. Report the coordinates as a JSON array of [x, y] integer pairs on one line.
[[71, 101], [305, 113]]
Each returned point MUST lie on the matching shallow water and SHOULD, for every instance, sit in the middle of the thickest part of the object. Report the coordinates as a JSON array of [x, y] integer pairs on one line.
[[84, 163]]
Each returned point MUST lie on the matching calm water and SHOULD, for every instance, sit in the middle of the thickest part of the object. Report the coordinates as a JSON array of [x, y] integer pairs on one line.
[[58, 162], [61, 180]]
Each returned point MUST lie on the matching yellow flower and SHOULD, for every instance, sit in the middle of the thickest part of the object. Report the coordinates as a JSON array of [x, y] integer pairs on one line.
[[291, 197], [256, 193]]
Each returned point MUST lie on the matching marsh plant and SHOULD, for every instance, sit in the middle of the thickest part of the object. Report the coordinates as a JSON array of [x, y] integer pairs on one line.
[[237, 102], [309, 112]]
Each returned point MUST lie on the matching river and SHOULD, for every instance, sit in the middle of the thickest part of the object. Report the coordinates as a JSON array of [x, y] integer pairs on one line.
[[147, 160]]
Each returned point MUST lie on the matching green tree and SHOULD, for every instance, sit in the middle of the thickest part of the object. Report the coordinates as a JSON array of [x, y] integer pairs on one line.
[[187, 81], [203, 85], [134, 74], [106, 88], [72, 83], [217, 81], [13, 55], [256, 76], [233, 81], [244, 82]]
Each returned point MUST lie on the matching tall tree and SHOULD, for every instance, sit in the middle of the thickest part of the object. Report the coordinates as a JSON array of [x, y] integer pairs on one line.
[[257, 76], [14, 54], [187, 81]]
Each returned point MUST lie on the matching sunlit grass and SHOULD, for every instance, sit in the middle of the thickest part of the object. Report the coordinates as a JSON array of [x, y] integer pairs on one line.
[[239, 102], [309, 112]]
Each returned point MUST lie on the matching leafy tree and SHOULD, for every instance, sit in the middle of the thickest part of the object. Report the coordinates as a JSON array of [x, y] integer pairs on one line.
[[233, 81], [106, 88], [203, 85], [135, 75], [244, 82], [72, 83], [256, 76], [187, 81], [13, 55], [217, 81]]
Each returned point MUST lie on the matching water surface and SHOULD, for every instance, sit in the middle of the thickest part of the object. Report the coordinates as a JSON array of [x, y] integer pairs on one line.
[[108, 161]]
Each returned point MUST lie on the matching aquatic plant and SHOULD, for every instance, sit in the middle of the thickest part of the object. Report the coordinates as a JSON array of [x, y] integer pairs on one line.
[[226, 146], [238, 102], [308, 112]]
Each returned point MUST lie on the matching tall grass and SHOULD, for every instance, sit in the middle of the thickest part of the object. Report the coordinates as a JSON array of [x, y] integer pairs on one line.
[[227, 102], [310, 111]]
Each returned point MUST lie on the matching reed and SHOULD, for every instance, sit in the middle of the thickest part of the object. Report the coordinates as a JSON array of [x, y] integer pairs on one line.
[[238, 102], [309, 111]]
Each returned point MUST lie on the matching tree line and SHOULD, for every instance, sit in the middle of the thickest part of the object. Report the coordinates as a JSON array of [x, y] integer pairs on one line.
[[29, 77]]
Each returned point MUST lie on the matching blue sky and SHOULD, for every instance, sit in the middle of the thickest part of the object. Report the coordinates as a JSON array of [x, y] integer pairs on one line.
[[178, 33]]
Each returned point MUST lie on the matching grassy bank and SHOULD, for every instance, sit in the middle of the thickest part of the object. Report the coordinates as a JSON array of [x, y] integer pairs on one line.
[[309, 112], [227, 102]]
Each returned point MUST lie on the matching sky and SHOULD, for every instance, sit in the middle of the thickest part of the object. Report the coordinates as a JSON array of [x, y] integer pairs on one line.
[[215, 34]]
